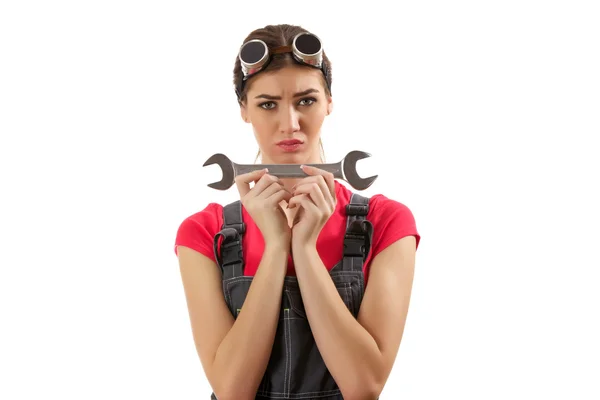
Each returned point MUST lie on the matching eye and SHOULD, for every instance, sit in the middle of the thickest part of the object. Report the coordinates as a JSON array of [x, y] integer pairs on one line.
[[266, 104], [310, 101]]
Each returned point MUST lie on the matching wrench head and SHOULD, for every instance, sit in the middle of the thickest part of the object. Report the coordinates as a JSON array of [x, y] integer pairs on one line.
[[227, 170], [350, 170]]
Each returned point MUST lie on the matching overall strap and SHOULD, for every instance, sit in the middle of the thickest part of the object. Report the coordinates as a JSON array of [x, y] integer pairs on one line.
[[359, 233], [231, 259]]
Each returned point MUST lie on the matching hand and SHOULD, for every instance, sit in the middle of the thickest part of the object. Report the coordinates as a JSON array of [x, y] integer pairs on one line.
[[315, 195], [262, 203]]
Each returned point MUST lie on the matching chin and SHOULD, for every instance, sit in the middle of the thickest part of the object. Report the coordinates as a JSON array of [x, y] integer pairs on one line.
[[295, 158]]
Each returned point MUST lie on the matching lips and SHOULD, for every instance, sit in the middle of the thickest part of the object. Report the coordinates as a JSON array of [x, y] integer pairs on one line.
[[289, 142]]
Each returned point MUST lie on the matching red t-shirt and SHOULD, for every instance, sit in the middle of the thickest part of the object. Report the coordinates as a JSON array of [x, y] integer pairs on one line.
[[391, 221]]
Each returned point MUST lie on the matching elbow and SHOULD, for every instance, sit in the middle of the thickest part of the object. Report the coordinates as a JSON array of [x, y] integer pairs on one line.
[[373, 392], [363, 389], [233, 391], [228, 385], [233, 394], [361, 392]]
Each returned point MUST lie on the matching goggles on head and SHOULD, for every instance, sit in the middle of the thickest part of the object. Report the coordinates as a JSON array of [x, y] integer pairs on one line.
[[254, 56]]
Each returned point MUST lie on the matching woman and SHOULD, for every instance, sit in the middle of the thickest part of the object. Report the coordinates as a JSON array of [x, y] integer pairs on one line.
[[276, 283]]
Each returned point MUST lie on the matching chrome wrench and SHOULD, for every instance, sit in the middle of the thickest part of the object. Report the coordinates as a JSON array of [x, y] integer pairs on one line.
[[345, 170]]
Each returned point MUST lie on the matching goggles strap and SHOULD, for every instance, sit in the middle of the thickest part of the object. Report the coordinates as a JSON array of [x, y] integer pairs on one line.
[[282, 49]]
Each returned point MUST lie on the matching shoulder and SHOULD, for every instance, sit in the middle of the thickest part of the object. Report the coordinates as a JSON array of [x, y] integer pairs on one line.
[[383, 207], [197, 230], [208, 215], [392, 219]]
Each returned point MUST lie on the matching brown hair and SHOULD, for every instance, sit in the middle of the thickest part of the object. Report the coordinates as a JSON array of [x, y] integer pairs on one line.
[[276, 36]]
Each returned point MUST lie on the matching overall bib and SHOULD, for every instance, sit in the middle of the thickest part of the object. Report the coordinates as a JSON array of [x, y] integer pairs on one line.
[[296, 369]]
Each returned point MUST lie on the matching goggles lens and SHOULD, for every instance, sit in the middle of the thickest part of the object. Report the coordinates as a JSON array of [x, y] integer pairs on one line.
[[308, 44], [253, 52]]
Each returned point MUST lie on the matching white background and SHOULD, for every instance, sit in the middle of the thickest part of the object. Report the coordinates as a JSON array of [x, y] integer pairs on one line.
[[481, 117]]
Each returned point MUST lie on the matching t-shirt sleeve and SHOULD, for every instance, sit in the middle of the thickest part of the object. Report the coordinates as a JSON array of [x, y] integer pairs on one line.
[[198, 230], [391, 221]]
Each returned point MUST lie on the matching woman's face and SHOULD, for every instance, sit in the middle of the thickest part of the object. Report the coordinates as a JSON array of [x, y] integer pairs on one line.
[[287, 105]]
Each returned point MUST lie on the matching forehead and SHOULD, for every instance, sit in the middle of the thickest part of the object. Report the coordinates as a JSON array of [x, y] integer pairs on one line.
[[287, 80]]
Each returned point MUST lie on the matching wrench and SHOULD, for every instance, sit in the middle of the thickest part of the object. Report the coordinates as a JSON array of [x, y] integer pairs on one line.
[[345, 169]]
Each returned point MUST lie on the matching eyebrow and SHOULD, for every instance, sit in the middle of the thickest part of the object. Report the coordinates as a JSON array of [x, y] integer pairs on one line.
[[299, 94]]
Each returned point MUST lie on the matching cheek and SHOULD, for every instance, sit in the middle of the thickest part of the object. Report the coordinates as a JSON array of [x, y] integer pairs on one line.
[[262, 125], [313, 124]]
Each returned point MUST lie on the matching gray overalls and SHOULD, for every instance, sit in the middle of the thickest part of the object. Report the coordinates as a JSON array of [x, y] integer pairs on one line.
[[296, 369]]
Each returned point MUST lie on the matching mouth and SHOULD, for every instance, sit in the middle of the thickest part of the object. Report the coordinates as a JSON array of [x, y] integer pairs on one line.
[[291, 145], [289, 142]]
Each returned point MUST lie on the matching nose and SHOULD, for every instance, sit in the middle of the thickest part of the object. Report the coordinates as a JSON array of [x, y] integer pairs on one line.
[[289, 120]]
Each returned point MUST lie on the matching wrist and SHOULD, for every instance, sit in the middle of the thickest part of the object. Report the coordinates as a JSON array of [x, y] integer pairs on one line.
[[277, 246], [304, 247]]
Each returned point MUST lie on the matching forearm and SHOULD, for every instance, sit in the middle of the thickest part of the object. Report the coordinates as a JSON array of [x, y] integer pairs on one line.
[[243, 355], [349, 351]]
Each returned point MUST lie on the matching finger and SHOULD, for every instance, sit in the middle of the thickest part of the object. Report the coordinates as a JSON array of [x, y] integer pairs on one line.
[[295, 201], [327, 189], [261, 185], [318, 179], [327, 176], [304, 201], [298, 217], [279, 196], [315, 193], [243, 181], [274, 194], [269, 189]]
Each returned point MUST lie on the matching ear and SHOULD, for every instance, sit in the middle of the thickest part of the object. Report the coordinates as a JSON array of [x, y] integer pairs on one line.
[[244, 113], [329, 105]]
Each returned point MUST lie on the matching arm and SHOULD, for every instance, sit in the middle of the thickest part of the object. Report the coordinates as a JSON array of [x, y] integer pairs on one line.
[[360, 352], [234, 353]]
